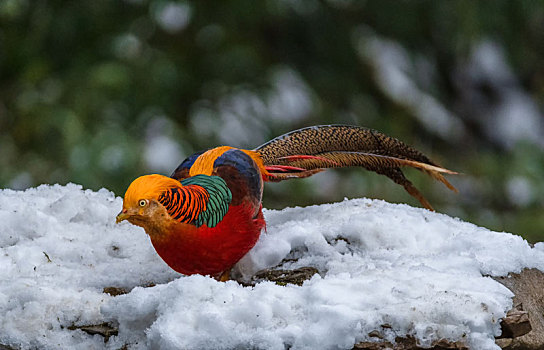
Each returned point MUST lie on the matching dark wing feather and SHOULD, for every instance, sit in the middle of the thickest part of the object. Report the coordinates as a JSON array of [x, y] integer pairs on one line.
[[185, 204], [218, 201], [304, 152], [182, 171]]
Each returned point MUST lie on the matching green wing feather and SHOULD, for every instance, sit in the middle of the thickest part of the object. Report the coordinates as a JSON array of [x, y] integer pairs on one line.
[[218, 201]]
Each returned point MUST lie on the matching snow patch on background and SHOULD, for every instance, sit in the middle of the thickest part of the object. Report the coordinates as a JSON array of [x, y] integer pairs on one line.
[[506, 112], [242, 117], [417, 272], [393, 70], [172, 16]]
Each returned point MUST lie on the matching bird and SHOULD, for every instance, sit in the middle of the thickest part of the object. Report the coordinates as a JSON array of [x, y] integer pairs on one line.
[[208, 214]]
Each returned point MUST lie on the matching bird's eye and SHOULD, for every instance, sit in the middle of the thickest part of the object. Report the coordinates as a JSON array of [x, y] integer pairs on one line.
[[142, 203]]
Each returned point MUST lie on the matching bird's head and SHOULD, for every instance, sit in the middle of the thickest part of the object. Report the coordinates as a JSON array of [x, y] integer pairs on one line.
[[140, 204]]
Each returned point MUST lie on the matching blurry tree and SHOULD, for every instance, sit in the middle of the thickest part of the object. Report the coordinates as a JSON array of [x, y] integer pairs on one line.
[[99, 92]]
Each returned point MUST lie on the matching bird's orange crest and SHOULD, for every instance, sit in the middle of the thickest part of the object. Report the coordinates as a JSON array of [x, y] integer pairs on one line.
[[148, 187]]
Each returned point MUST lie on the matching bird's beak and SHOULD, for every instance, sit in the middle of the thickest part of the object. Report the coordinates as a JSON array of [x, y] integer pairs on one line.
[[123, 215]]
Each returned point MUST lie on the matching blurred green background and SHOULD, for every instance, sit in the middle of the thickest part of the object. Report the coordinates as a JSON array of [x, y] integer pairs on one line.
[[100, 92]]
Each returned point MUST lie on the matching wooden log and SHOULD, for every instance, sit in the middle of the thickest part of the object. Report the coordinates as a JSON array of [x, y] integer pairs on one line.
[[104, 329], [409, 343], [516, 323], [528, 288]]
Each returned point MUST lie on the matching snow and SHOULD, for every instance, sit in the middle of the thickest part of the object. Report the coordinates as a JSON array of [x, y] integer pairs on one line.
[[383, 267]]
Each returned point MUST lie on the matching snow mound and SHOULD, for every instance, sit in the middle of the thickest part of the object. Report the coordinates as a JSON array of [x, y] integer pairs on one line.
[[383, 267]]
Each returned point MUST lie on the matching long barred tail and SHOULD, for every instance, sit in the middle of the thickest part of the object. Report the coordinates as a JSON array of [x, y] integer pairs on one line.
[[304, 152]]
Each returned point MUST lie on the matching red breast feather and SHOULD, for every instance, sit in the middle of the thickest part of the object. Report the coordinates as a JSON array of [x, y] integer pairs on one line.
[[211, 251]]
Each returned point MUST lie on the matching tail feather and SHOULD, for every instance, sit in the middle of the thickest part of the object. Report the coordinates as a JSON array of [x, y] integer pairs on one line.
[[304, 152]]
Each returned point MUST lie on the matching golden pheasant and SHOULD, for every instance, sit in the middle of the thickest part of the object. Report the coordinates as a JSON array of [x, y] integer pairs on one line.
[[208, 214]]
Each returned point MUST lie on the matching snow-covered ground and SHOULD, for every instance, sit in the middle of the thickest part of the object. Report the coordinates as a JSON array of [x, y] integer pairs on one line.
[[416, 272]]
